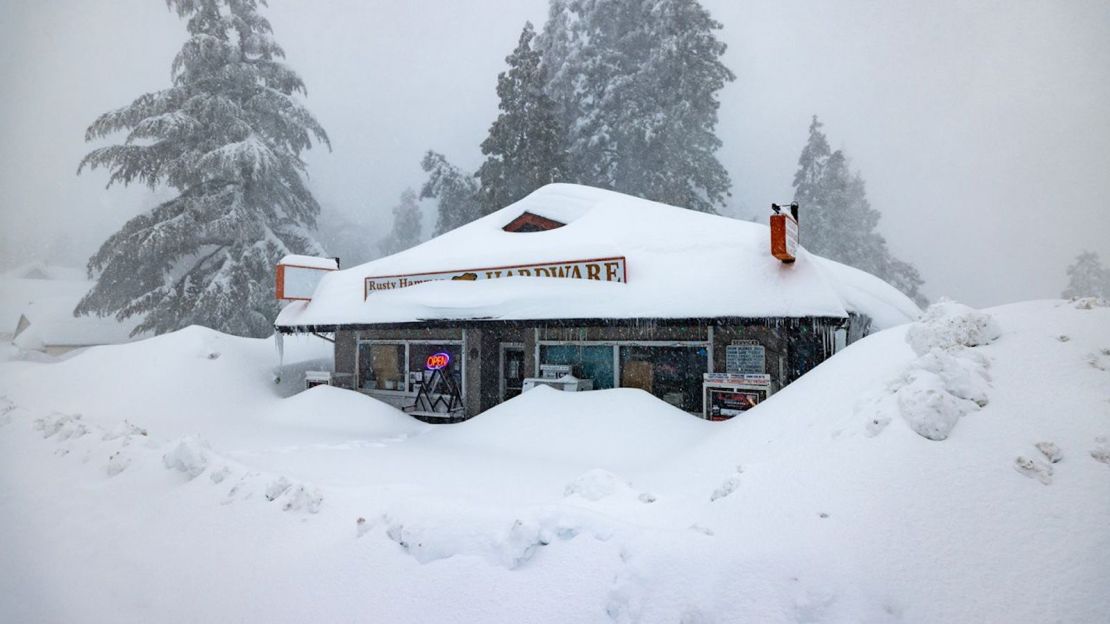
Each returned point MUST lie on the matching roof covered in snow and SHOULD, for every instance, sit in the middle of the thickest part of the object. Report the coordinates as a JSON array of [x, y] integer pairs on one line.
[[310, 262], [680, 264], [38, 313]]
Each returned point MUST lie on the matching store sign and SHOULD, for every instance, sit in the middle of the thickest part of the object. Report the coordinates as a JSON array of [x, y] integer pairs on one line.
[[784, 237], [746, 357], [599, 269], [296, 282], [437, 361]]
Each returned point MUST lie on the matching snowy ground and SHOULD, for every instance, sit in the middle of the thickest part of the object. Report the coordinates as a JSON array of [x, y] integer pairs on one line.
[[171, 480]]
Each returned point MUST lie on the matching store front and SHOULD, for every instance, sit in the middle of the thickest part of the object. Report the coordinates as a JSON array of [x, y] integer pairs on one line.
[[582, 289], [490, 362], [671, 371]]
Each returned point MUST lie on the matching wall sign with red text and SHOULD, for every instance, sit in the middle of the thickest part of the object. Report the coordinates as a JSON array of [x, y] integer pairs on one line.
[[600, 269]]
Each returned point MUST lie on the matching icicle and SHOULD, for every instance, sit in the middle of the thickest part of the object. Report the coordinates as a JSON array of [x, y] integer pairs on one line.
[[279, 344]]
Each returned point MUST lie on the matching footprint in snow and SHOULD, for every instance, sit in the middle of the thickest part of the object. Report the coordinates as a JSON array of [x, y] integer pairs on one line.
[[1050, 451], [1034, 469], [1101, 452]]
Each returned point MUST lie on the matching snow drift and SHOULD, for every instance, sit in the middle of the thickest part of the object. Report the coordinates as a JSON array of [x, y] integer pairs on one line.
[[153, 481]]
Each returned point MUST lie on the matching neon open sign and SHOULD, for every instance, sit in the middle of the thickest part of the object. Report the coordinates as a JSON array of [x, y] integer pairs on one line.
[[437, 361]]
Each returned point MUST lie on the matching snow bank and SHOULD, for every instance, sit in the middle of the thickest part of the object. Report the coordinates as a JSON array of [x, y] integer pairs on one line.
[[949, 379], [947, 325], [621, 428], [617, 506]]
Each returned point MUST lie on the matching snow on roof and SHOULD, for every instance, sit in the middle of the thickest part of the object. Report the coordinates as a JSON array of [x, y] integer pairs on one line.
[[38, 270], [47, 305], [680, 264], [311, 262]]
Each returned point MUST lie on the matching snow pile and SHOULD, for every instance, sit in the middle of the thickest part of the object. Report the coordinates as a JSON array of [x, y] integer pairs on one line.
[[1090, 303], [189, 455], [948, 380], [626, 428], [949, 326], [139, 477]]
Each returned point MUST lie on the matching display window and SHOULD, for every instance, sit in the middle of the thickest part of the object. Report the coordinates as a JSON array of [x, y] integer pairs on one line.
[[381, 367], [421, 353], [593, 362], [673, 374]]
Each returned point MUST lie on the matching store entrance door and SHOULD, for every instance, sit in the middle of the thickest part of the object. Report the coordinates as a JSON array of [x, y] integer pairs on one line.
[[512, 370]]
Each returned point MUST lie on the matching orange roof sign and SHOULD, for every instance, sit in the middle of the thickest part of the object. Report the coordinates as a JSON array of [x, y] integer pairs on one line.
[[784, 233], [296, 277]]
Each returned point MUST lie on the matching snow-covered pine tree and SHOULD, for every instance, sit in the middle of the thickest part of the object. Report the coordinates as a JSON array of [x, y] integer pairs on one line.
[[636, 83], [837, 220], [406, 225], [348, 237], [1087, 277], [525, 147], [227, 136], [809, 180], [456, 192]]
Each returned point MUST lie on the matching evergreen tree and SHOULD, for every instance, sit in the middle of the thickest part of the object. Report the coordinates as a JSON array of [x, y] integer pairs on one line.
[[525, 147], [348, 237], [406, 225], [227, 136], [837, 220], [1087, 277], [456, 192], [636, 83], [808, 188]]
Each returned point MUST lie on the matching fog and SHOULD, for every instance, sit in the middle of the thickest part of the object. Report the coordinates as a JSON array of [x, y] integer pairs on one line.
[[980, 127]]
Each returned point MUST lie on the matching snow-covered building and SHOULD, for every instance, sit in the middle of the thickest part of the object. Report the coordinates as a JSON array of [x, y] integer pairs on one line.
[[36, 312], [614, 290]]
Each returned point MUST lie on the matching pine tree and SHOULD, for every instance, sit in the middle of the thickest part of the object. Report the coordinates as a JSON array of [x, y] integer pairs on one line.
[[1087, 277], [406, 225], [347, 236], [808, 191], [837, 220], [636, 84], [227, 136], [456, 191], [525, 147]]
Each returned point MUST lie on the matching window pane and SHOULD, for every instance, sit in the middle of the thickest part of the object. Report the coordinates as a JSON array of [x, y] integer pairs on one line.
[[593, 362], [381, 366], [673, 374], [418, 358]]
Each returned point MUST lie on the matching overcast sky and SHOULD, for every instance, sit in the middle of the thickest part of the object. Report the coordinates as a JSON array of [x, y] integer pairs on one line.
[[981, 128]]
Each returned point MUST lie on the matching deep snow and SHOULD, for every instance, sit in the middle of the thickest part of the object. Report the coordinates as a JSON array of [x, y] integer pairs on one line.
[[962, 478]]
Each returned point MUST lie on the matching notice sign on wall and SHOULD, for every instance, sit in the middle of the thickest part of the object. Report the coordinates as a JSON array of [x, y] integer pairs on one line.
[[746, 357], [600, 269]]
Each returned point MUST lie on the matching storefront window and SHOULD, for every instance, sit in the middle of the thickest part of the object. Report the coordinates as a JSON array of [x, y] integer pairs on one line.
[[419, 354], [381, 366], [673, 374], [594, 362]]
